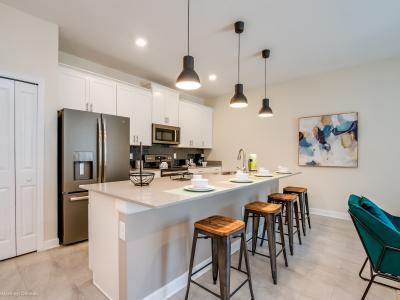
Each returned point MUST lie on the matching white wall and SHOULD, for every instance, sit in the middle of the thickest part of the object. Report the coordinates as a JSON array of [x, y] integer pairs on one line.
[[29, 48], [371, 90]]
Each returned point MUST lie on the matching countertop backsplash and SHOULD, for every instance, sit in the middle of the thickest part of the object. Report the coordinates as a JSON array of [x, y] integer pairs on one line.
[[181, 153]]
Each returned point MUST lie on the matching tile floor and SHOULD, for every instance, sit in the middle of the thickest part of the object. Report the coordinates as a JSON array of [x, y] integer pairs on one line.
[[324, 267]]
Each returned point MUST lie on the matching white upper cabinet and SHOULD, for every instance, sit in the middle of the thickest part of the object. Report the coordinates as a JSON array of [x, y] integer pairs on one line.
[[195, 122], [103, 95], [73, 89], [136, 103], [165, 105], [84, 91]]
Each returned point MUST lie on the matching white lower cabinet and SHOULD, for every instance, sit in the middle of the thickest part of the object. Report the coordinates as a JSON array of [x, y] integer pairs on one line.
[[136, 104], [195, 122], [18, 169]]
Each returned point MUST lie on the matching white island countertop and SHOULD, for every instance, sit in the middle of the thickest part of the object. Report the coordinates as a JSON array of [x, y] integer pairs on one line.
[[164, 191]]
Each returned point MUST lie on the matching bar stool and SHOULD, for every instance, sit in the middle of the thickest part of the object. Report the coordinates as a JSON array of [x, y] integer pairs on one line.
[[270, 212], [303, 196], [289, 202], [221, 230]]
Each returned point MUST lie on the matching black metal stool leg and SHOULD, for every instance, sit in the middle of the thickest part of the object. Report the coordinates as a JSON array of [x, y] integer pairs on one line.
[[194, 242], [296, 212], [224, 266], [214, 251], [282, 238], [302, 212], [246, 259], [307, 209], [256, 223], [263, 233], [270, 220], [243, 249], [289, 218]]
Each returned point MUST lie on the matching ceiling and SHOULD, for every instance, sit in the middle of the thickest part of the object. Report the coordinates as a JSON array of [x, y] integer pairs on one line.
[[305, 36]]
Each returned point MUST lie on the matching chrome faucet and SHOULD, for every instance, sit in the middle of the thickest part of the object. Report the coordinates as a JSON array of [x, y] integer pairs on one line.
[[242, 155]]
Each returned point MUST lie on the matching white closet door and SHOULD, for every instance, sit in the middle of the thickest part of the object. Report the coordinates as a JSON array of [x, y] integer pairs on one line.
[[25, 166], [7, 175]]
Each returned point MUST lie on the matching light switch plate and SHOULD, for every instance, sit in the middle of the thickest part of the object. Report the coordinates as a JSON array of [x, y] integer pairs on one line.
[[122, 230]]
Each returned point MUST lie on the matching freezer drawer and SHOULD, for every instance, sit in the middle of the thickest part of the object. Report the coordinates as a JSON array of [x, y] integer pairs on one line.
[[74, 218]]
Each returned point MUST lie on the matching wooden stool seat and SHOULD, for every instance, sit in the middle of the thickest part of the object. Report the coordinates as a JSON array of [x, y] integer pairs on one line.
[[282, 197], [263, 207], [220, 225], [294, 189]]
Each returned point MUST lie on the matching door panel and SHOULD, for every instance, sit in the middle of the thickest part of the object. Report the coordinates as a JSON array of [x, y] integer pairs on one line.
[[25, 166], [116, 148], [142, 119], [79, 142], [73, 90], [126, 107], [103, 96], [74, 218], [7, 170]]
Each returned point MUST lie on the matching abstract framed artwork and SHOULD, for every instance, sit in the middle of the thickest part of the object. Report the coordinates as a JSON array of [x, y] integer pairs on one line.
[[329, 141]]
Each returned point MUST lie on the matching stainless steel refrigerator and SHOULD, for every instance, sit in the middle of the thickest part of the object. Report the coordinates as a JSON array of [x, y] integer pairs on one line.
[[92, 148]]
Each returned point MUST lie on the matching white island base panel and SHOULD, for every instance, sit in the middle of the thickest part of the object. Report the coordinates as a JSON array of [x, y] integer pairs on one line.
[[140, 249]]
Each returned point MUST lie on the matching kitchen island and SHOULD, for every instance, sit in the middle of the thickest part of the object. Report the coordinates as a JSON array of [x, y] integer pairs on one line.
[[140, 237]]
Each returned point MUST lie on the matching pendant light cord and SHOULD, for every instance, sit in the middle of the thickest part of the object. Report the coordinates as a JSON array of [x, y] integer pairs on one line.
[[265, 78], [188, 27], [239, 61]]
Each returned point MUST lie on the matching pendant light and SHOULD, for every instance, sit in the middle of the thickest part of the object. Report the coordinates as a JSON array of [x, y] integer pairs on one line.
[[238, 100], [188, 79], [265, 110]]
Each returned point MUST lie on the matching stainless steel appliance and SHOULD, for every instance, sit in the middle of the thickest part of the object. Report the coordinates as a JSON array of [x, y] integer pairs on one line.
[[163, 134], [153, 161], [92, 148]]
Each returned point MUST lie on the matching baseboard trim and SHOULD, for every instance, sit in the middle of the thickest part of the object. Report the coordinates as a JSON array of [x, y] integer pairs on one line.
[[179, 283], [330, 213], [49, 244]]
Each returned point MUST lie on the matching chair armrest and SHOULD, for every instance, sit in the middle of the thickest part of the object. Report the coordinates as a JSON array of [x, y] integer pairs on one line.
[[396, 222]]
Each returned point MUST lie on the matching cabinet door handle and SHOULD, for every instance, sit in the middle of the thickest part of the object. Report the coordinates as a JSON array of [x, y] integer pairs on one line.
[[91, 106], [87, 106]]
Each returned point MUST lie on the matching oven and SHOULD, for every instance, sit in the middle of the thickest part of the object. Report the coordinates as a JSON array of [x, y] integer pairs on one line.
[[163, 134]]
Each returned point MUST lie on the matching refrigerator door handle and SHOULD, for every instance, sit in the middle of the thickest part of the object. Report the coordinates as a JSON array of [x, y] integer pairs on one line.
[[105, 149], [79, 198], [100, 151]]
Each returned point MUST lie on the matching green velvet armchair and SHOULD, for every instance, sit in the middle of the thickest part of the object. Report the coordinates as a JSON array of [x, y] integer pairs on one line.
[[379, 233]]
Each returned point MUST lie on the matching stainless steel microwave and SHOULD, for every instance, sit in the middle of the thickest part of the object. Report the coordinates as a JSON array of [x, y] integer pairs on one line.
[[163, 134]]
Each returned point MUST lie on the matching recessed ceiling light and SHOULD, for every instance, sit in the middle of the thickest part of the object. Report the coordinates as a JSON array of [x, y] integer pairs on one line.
[[141, 42], [212, 77]]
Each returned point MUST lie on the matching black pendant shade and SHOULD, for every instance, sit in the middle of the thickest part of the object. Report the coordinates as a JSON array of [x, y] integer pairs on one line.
[[265, 110], [238, 100], [188, 79]]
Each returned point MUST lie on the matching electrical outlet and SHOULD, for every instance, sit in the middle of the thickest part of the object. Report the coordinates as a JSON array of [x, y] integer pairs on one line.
[[174, 155], [122, 230], [130, 155], [242, 212]]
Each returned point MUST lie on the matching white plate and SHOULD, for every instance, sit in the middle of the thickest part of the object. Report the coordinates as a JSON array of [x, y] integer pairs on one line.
[[236, 180], [282, 172], [190, 188], [261, 175]]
